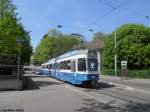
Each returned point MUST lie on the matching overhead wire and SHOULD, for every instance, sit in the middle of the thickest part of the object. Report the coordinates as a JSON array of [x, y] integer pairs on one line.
[[120, 6], [130, 11], [113, 8], [107, 13]]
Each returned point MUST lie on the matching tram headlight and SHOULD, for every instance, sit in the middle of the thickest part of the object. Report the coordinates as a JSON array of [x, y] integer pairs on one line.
[[93, 77]]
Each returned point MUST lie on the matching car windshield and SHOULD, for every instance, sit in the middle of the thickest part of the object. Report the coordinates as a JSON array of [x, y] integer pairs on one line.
[[92, 64]]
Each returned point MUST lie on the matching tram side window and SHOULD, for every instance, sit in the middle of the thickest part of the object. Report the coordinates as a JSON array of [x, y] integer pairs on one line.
[[65, 65], [68, 64], [50, 66], [61, 65], [53, 66], [81, 64], [58, 66]]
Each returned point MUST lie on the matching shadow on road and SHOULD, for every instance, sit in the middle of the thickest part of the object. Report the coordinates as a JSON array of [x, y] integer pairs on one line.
[[92, 105], [100, 86], [103, 85], [31, 84]]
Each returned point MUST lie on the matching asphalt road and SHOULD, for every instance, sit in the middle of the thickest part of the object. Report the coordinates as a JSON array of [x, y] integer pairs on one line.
[[45, 94], [140, 84]]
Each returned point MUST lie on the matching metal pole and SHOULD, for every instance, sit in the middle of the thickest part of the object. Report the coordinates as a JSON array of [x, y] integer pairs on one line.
[[18, 68], [115, 56], [57, 47]]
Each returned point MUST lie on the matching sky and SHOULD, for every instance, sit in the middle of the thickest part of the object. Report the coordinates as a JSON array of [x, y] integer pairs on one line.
[[78, 16]]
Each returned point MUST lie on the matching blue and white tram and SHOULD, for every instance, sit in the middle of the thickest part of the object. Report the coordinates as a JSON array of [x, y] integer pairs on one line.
[[45, 69], [76, 67]]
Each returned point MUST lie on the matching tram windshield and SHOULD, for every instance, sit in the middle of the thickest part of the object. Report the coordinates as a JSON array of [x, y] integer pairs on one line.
[[92, 64]]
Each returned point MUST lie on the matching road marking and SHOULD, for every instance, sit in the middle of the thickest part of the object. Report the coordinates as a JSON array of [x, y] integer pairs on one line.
[[142, 91], [129, 88]]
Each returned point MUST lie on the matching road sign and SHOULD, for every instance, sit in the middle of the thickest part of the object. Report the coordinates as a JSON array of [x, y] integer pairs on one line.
[[124, 64], [124, 71]]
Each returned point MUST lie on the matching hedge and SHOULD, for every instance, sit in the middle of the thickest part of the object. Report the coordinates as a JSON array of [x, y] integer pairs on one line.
[[131, 73]]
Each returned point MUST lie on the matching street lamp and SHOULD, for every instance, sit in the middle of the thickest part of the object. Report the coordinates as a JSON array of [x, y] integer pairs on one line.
[[97, 42], [59, 26], [57, 46], [91, 30], [147, 17], [78, 37], [19, 41]]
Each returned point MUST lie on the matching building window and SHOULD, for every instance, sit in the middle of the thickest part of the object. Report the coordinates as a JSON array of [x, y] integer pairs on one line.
[[81, 64], [68, 64]]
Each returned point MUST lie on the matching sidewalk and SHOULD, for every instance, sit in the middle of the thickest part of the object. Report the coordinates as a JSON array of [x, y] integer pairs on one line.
[[142, 85]]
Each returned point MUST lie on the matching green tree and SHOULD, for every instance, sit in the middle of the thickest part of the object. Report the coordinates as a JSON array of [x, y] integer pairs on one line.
[[133, 45], [10, 30], [53, 44], [100, 36], [7, 6]]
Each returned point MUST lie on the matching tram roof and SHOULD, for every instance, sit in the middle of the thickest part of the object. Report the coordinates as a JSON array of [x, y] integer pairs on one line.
[[70, 53]]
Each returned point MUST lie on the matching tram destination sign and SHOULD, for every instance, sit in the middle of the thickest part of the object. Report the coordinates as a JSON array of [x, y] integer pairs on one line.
[[92, 53]]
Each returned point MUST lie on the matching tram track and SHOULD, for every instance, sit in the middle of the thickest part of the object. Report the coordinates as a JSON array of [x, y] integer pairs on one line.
[[121, 94], [128, 96], [116, 92], [104, 96]]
